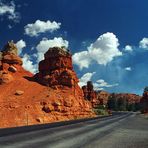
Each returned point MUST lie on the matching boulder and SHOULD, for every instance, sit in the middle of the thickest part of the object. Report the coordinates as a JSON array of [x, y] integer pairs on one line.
[[19, 92], [48, 108], [56, 103], [39, 119]]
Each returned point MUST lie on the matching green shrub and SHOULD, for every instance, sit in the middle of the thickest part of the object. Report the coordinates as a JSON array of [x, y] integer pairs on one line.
[[101, 110]]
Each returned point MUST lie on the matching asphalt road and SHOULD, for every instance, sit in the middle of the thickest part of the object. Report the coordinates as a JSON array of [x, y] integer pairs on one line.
[[122, 130]]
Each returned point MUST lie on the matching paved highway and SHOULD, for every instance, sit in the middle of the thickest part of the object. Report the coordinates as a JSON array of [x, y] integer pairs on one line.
[[122, 130]]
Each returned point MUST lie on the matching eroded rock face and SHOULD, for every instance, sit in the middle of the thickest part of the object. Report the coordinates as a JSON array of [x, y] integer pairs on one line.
[[9, 62], [56, 69], [89, 93]]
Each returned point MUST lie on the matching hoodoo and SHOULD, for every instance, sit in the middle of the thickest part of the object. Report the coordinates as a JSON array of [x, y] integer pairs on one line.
[[56, 69], [10, 63]]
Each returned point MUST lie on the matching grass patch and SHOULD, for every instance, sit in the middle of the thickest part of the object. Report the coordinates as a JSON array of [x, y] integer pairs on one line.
[[101, 110]]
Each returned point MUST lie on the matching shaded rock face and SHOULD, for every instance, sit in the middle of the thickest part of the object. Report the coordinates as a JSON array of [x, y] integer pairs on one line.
[[56, 69], [89, 93], [144, 101], [9, 62], [95, 97]]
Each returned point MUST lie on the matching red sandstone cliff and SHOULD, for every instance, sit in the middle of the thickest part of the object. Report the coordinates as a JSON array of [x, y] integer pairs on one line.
[[51, 95]]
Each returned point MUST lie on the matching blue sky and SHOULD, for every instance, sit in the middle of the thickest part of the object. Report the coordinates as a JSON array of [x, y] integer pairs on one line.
[[108, 38]]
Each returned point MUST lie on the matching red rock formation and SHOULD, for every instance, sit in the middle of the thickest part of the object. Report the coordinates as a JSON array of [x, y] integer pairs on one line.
[[24, 101], [89, 93], [56, 69], [10, 63], [102, 97]]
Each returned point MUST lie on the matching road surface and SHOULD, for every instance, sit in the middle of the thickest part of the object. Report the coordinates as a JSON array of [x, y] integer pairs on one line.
[[122, 130]]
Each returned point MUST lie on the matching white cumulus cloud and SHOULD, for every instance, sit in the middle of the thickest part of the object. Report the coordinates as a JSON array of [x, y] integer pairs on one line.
[[9, 10], [144, 43], [128, 48], [82, 59], [45, 44], [39, 26], [103, 51], [128, 68], [97, 87], [28, 64], [20, 45], [101, 83], [85, 78]]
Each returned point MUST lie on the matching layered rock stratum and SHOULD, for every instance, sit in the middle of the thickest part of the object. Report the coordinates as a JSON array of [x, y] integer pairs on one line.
[[51, 95]]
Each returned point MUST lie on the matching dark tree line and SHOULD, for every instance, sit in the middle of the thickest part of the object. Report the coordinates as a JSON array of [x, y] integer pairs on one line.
[[121, 104], [144, 101]]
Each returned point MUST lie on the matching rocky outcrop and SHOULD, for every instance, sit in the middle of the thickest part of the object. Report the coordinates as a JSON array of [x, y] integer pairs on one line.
[[56, 69], [9, 62], [90, 94], [9, 54]]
